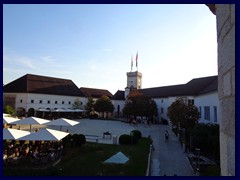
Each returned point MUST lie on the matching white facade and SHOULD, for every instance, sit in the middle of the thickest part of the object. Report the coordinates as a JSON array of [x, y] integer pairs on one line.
[[37, 101], [164, 103], [208, 105], [118, 105]]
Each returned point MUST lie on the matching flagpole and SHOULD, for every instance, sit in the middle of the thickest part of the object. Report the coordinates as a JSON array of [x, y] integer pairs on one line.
[[137, 60], [131, 64]]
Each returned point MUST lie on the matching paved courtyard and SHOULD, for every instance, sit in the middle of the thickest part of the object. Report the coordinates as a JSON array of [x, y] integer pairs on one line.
[[167, 158]]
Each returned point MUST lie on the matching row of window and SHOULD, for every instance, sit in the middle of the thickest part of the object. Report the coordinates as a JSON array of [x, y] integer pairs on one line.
[[48, 102], [190, 101], [207, 111]]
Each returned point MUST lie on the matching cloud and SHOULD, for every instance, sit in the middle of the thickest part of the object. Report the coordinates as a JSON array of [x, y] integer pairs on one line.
[[13, 59], [47, 59], [27, 62]]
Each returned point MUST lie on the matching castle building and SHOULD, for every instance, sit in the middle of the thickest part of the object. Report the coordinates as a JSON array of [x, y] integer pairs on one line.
[[39, 95], [202, 92]]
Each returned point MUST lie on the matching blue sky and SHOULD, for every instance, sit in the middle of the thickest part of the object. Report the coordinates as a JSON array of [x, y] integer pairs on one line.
[[93, 44]]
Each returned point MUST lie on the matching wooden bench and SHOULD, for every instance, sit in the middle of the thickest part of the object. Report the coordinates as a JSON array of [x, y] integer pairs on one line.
[[92, 137]]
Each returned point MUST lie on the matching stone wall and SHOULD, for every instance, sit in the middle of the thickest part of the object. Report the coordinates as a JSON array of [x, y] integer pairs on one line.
[[225, 14]]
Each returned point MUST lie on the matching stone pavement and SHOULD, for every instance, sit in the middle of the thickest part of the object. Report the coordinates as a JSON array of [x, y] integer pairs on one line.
[[167, 158]]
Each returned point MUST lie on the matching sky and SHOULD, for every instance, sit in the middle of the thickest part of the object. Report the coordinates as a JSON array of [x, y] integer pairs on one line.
[[93, 45]]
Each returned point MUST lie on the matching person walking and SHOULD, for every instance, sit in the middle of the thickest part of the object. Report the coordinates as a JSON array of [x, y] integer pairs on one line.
[[166, 136], [151, 142]]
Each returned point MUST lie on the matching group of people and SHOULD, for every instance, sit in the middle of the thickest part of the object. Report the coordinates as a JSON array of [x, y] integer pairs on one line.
[[142, 120], [37, 152], [166, 135]]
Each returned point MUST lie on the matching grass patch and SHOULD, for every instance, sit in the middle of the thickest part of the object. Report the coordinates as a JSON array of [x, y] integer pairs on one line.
[[88, 159]]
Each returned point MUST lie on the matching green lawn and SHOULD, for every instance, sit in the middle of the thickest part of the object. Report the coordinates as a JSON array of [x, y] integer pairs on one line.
[[88, 159]]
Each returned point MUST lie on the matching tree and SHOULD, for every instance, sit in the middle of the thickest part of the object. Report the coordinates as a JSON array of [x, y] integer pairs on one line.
[[77, 104], [104, 104], [206, 138], [183, 115], [89, 106], [139, 105], [8, 110]]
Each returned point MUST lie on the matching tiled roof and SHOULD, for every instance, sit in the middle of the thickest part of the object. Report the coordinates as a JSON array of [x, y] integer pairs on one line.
[[42, 85], [95, 93], [119, 95], [194, 87], [49, 85], [213, 86]]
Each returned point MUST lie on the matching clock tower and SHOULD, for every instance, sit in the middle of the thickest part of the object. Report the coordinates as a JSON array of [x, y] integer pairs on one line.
[[134, 81]]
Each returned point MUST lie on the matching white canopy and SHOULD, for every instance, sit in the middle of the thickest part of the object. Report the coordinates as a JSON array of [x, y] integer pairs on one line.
[[10, 120], [31, 120], [13, 134], [79, 110], [67, 110], [62, 122], [118, 158], [45, 135], [5, 115], [43, 110]]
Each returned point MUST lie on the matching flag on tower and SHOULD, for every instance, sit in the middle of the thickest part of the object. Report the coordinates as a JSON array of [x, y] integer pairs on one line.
[[131, 63], [137, 60]]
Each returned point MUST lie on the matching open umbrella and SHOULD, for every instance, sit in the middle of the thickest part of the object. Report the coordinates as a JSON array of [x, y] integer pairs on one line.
[[13, 134], [45, 135], [62, 122], [9, 120], [6, 115], [31, 120]]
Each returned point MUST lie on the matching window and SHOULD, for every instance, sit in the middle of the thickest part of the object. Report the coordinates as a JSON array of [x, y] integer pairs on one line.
[[215, 113], [162, 101], [207, 113], [48, 101], [69, 102], [118, 108], [200, 112], [162, 110], [40, 101], [81, 103], [191, 102], [62, 102], [56, 102], [32, 101], [21, 100]]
